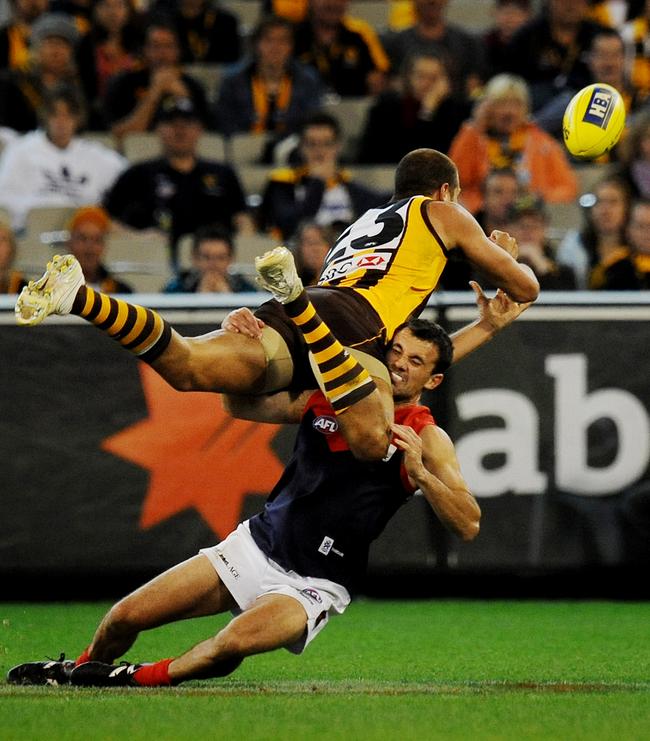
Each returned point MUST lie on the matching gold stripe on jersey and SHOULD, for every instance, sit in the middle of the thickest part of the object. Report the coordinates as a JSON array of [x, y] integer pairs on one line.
[[413, 257]]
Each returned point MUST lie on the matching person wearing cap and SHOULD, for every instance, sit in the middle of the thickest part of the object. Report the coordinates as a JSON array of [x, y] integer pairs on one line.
[[527, 223], [133, 98], [53, 166], [53, 40], [179, 191], [88, 230]]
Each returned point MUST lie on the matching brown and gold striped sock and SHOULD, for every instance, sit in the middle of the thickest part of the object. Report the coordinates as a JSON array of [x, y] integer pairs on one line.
[[345, 380], [142, 331]]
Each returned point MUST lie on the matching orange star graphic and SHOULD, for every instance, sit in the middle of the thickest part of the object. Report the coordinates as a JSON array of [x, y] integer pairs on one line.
[[197, 455]]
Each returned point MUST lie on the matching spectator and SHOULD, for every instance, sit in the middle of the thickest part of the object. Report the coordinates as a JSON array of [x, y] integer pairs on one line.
[[89, 228], [636, 35], [628, 270], [606, 63], [509, 17], [317, 189], [346, 52], [500, 191], [614, 13], [134, 98], [11, 281], [22, 91], [53, 166], [422, 114], [310, 244], [208, 33], [528, 223], [549, 51], [111, 46], [602, 240], [272, 93], [213, 252], [634, 156], [432, 34], [15, 35], [500, 135], [179, 191]]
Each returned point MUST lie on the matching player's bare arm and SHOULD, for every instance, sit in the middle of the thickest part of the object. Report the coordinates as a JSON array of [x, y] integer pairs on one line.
[[495, 314], [494, 256], [432, 466]]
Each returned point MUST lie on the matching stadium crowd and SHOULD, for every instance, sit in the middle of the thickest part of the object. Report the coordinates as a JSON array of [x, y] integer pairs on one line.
[[177, 119]]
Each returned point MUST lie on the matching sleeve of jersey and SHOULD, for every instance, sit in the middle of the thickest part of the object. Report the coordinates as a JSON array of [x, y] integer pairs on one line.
[[417, 418]]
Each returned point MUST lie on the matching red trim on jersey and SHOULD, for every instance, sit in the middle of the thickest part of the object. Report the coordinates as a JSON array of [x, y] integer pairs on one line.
[[412, 415]]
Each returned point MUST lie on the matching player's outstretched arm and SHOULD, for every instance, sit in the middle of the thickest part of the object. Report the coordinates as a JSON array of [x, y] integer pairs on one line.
[[495, 314], [494, 256], [432, 466]]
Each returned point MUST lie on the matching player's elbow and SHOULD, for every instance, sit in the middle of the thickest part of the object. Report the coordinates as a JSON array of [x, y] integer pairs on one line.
[[528, 290], [471, 524], [470, 530]]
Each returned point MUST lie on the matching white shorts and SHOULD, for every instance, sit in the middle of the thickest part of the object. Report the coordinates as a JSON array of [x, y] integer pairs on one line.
[[248, 574]]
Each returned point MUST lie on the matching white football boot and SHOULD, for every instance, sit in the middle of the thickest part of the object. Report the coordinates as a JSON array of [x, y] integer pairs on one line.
[[277, 273], [53, 293]]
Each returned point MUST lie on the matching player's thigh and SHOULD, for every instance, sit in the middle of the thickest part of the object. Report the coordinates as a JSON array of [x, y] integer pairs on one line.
[[272, 621], [190, 589], [224, 362]]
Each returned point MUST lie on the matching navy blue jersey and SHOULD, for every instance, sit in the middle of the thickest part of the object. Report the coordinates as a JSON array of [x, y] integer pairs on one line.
[[328, 507]]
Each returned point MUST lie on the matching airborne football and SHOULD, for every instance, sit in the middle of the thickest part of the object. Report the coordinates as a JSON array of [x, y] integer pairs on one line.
[[593, 121]]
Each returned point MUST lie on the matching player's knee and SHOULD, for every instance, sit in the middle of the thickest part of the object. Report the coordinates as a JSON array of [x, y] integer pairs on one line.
[[369, 443], [122, 619]]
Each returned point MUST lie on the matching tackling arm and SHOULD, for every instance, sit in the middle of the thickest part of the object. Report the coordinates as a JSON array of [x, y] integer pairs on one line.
[[432, 466]]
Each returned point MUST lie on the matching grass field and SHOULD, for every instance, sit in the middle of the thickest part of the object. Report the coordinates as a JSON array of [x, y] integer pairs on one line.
[[386, 670]]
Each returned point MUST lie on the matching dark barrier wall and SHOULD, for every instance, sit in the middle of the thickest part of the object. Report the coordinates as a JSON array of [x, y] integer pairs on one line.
[[108, 471]]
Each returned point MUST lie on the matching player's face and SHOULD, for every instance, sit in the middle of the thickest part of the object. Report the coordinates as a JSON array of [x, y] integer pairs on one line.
[[411, 362]]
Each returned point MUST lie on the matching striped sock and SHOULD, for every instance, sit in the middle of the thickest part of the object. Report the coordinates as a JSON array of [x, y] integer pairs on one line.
[[346, 381], [142, 331]]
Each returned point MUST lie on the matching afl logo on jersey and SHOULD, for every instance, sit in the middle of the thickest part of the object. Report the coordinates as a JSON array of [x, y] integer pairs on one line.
[[325, 424]]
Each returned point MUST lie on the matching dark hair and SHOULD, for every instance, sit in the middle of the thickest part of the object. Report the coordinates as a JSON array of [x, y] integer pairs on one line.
[[161, 20], [321, 119], [269, 22], [423, 171], [64, 93], [214, 232], [496, 172], [429, 331], [608, 32]]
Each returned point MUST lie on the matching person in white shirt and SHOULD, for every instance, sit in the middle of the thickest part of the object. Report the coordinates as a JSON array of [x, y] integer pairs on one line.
[[53, 166]]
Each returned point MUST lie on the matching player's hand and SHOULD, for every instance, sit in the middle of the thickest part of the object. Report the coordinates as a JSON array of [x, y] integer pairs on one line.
[[408, 440], [243, 321], [506, 242], [497, 312]]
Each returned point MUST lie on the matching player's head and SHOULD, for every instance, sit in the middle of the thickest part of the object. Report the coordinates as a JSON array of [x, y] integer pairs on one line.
[[419, 354], [426, 172]]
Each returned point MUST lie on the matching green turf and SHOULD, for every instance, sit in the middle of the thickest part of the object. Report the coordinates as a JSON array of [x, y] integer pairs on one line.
[[385, 670]]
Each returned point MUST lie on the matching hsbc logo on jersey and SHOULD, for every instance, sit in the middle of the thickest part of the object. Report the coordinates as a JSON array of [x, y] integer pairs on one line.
[[350, 265], [325, 424], [371, 261]]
